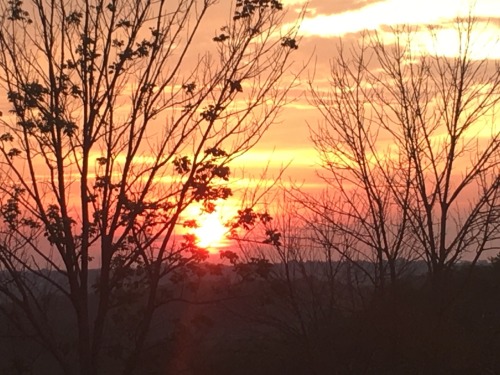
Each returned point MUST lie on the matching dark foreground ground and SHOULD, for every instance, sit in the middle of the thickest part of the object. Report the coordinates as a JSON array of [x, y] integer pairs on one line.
[[269, 326]]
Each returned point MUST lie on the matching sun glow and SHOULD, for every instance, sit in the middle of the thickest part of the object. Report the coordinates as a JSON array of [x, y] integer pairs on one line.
[[211, 232]]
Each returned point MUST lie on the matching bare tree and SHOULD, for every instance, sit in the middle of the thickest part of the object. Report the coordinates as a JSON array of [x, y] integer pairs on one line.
[[291, 286], [359, 216], [116, 126], [411, 149]]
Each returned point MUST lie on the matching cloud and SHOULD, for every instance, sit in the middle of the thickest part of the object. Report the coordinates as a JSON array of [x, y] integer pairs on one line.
[[337, 7], [355, 16]]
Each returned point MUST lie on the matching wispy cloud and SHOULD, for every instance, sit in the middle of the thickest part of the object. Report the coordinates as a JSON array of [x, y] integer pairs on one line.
[[373, 15]]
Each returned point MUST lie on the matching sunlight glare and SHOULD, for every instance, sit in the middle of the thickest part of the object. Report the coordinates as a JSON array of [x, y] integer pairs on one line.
[[210, 232]]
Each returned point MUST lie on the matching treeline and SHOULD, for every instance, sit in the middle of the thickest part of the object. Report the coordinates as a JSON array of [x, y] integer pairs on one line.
[[225, 320]]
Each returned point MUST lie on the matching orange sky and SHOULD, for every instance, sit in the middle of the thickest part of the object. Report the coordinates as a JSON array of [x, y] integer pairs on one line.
[[287, 143], [325, 21]]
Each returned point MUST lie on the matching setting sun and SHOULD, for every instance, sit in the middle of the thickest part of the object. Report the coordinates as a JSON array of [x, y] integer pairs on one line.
[[210, 231]]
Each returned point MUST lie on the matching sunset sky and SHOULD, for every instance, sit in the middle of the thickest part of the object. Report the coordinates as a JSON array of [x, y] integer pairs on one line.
[[288, 142], [325, 22]]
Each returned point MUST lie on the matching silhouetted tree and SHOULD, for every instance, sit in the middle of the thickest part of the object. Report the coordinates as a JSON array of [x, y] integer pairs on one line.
[[116, 126], [410, 147]]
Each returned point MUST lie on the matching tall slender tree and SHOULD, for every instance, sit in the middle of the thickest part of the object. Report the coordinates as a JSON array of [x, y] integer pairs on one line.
[[411, 149], [116, 126]]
